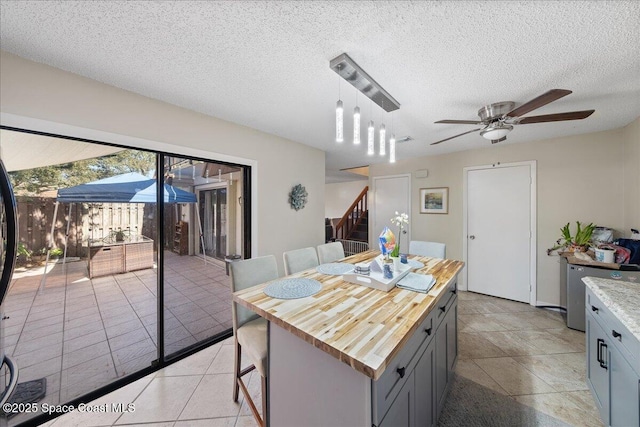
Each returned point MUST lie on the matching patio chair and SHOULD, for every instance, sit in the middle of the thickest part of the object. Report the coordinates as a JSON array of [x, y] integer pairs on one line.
[[299, 260], [330, 252], [250, 330], [430, 249]]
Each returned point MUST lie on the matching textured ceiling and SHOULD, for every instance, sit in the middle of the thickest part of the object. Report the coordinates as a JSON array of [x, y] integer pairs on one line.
[[266, 64]]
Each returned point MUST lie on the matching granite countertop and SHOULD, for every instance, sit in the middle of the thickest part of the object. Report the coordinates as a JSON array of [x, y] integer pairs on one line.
[[622, 298], [363, 327]]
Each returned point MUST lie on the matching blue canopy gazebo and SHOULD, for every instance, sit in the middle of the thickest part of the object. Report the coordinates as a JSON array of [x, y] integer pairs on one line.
[[125, 188]]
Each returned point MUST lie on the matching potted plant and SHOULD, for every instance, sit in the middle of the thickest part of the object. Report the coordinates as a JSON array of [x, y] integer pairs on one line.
[[120, 236], [578, 242]]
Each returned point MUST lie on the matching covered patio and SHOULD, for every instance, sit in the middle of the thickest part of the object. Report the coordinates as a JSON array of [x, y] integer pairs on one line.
[[81, 333]]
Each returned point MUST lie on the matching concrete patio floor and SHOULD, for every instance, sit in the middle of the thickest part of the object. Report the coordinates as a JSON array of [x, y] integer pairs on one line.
[[81, 334]]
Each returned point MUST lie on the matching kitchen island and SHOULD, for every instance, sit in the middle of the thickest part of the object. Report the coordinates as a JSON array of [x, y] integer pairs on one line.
[[613, 349], [355, 356]]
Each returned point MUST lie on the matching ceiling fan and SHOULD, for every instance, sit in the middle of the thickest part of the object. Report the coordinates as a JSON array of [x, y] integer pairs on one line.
[[498, 119]]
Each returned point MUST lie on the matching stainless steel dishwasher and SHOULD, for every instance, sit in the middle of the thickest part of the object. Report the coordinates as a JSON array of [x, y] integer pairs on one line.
[[575, 288]]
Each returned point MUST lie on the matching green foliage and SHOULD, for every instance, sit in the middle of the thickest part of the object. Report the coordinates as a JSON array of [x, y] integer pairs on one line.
[[32, 182], [24, 251], [56, 253], [581, 238]]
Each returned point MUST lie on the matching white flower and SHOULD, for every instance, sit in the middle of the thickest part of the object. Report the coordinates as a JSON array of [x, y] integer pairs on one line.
[[400, 219]]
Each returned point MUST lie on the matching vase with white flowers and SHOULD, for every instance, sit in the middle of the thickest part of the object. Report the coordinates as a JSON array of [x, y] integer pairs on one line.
[[400, 220]]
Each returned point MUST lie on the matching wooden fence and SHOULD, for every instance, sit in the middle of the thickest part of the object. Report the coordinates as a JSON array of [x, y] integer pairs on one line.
[[87, 221]]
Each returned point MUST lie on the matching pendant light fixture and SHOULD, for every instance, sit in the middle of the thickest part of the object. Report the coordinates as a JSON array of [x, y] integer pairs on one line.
[[392, 144], [371, 149], [356, 122], [347, 69], [383, 134], [339, 117]]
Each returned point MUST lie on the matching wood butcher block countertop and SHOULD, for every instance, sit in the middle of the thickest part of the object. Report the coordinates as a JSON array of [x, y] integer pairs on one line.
[[363, 327]]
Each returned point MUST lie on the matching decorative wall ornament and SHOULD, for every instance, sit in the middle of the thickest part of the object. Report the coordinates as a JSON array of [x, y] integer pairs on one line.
[[298, 197]]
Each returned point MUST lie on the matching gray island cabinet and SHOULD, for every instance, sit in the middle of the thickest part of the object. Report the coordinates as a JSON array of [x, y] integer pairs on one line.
[[613, 349], [355, 356]]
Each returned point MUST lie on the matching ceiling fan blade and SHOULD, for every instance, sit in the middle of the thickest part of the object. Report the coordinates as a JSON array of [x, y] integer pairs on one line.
[[572, 115], [460, 122], [544, 99], [443, 140]]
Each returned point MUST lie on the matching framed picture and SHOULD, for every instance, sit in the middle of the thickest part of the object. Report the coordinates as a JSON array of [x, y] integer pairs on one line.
[[434, 200]]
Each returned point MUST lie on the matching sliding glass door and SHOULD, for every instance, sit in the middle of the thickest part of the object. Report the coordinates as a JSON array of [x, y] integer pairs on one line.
[[213, 217], [107, 234]]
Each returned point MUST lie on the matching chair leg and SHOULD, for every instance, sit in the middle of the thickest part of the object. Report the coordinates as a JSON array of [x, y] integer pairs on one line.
[[264, 401], [237, 363]]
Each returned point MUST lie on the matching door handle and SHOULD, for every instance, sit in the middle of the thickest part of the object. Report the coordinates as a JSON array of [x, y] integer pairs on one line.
[[401, 371], [472, 237], [600, 358]]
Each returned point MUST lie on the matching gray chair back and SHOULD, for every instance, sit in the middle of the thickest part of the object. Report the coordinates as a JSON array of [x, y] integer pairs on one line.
[[248, 273], [299, 260], [330, 252], [430, 249]]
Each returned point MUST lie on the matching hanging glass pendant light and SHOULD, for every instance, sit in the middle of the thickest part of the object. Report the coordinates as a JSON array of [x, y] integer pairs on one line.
[[339, 122], [392, 143], [339, 117], [356, 126], [356, 122], [383, 140], [371, 149], [370, 142], [392, 149]]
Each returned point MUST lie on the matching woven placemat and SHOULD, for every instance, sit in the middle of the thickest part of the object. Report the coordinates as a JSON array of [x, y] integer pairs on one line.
[[292, 288], [334, 268]]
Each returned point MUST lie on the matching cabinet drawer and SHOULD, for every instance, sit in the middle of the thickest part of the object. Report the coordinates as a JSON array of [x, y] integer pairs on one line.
[[444, 304], [619, 336], [387, 387]]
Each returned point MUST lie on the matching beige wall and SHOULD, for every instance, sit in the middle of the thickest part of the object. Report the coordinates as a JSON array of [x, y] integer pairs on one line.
[[33, 90], [579, 179], [339, 196], [631, 138]]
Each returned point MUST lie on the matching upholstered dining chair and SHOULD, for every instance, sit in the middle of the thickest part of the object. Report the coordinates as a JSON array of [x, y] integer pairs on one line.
[[330, 252], [299, 260], [430, 249], [249, 329]]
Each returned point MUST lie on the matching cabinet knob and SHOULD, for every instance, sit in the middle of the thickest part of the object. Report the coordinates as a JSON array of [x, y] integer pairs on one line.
[[594, 308], [401, 371], [443, 308], [428, 331], [616, 334]]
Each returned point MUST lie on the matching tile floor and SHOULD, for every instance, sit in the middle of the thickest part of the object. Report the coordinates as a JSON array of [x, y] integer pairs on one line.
[[81, 334], [522, 352]]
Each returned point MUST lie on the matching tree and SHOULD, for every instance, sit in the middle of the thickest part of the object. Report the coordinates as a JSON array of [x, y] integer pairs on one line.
[[32, 182]]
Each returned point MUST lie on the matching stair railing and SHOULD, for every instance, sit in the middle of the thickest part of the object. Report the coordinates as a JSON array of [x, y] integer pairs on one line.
[[352, 216]]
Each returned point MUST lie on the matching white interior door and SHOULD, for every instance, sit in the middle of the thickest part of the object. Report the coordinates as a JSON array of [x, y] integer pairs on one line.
[[390, 194], [500, 223]]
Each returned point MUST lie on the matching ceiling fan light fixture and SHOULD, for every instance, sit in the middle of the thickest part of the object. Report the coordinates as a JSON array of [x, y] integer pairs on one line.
[[496, 132]]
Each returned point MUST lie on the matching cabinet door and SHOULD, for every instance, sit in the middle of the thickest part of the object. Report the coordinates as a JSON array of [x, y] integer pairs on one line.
[[625, 396], [442, 364], [452, 337], [425, 398], [598, 366], [402, 411]]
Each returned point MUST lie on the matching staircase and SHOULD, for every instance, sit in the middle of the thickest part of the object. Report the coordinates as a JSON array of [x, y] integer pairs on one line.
[[354, 224]]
